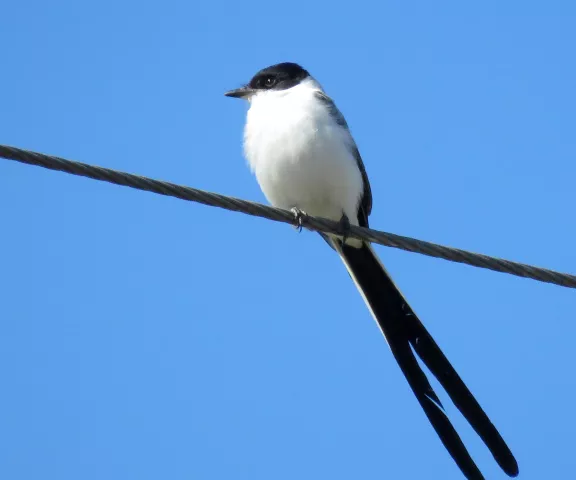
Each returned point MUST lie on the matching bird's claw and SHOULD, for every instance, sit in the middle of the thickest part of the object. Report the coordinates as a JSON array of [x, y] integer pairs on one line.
[[299, 218]]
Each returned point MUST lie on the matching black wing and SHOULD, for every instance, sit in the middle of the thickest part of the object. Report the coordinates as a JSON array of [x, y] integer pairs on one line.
[[365, 206]]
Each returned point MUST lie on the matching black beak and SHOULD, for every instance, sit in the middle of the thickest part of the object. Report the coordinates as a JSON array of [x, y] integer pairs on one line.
[[241, 92]]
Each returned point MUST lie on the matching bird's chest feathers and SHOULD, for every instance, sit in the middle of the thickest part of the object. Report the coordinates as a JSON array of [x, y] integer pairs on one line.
[[301, 156], [283, 130], [292, 137]]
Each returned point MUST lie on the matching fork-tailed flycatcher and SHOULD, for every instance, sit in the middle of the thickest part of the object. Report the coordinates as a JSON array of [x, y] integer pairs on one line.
[[300, 148]]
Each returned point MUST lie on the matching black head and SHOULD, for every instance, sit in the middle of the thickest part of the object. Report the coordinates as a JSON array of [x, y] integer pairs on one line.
[[277, 77]]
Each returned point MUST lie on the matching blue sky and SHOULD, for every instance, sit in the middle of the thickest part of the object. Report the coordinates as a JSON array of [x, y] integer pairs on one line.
[[143, 337]]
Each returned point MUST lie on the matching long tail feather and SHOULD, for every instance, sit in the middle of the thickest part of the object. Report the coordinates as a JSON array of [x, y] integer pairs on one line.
[[405, 335]]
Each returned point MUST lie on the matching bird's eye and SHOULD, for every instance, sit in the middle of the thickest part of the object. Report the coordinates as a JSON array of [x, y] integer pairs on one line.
[[269, 82]]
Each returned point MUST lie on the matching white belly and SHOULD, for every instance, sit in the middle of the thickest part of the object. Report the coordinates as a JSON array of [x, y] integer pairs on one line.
[[301, 157]]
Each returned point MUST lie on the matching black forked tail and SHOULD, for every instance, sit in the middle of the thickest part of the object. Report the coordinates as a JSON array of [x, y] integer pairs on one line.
[[405, 335]]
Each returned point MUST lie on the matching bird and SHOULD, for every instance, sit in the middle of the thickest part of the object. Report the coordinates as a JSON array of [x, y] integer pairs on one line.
[[299, 146]]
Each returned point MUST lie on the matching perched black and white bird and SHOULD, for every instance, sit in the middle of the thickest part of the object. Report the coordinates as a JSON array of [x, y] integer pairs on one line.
[[300, 148]]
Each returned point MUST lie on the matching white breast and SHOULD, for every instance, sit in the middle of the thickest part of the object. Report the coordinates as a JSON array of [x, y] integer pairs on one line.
[[300, 155]]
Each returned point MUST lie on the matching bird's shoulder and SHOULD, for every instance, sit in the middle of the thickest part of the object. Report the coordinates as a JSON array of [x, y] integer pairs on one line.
[[332, 108]]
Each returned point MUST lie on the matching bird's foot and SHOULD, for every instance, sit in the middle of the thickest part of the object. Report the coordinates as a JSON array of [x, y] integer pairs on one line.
[[299, 218]]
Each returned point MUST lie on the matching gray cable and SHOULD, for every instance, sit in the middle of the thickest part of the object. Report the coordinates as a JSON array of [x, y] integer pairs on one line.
[[279, 215]]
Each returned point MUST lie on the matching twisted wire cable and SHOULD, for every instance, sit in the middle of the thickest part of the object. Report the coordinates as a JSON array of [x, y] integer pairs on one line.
[[280, 215]]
